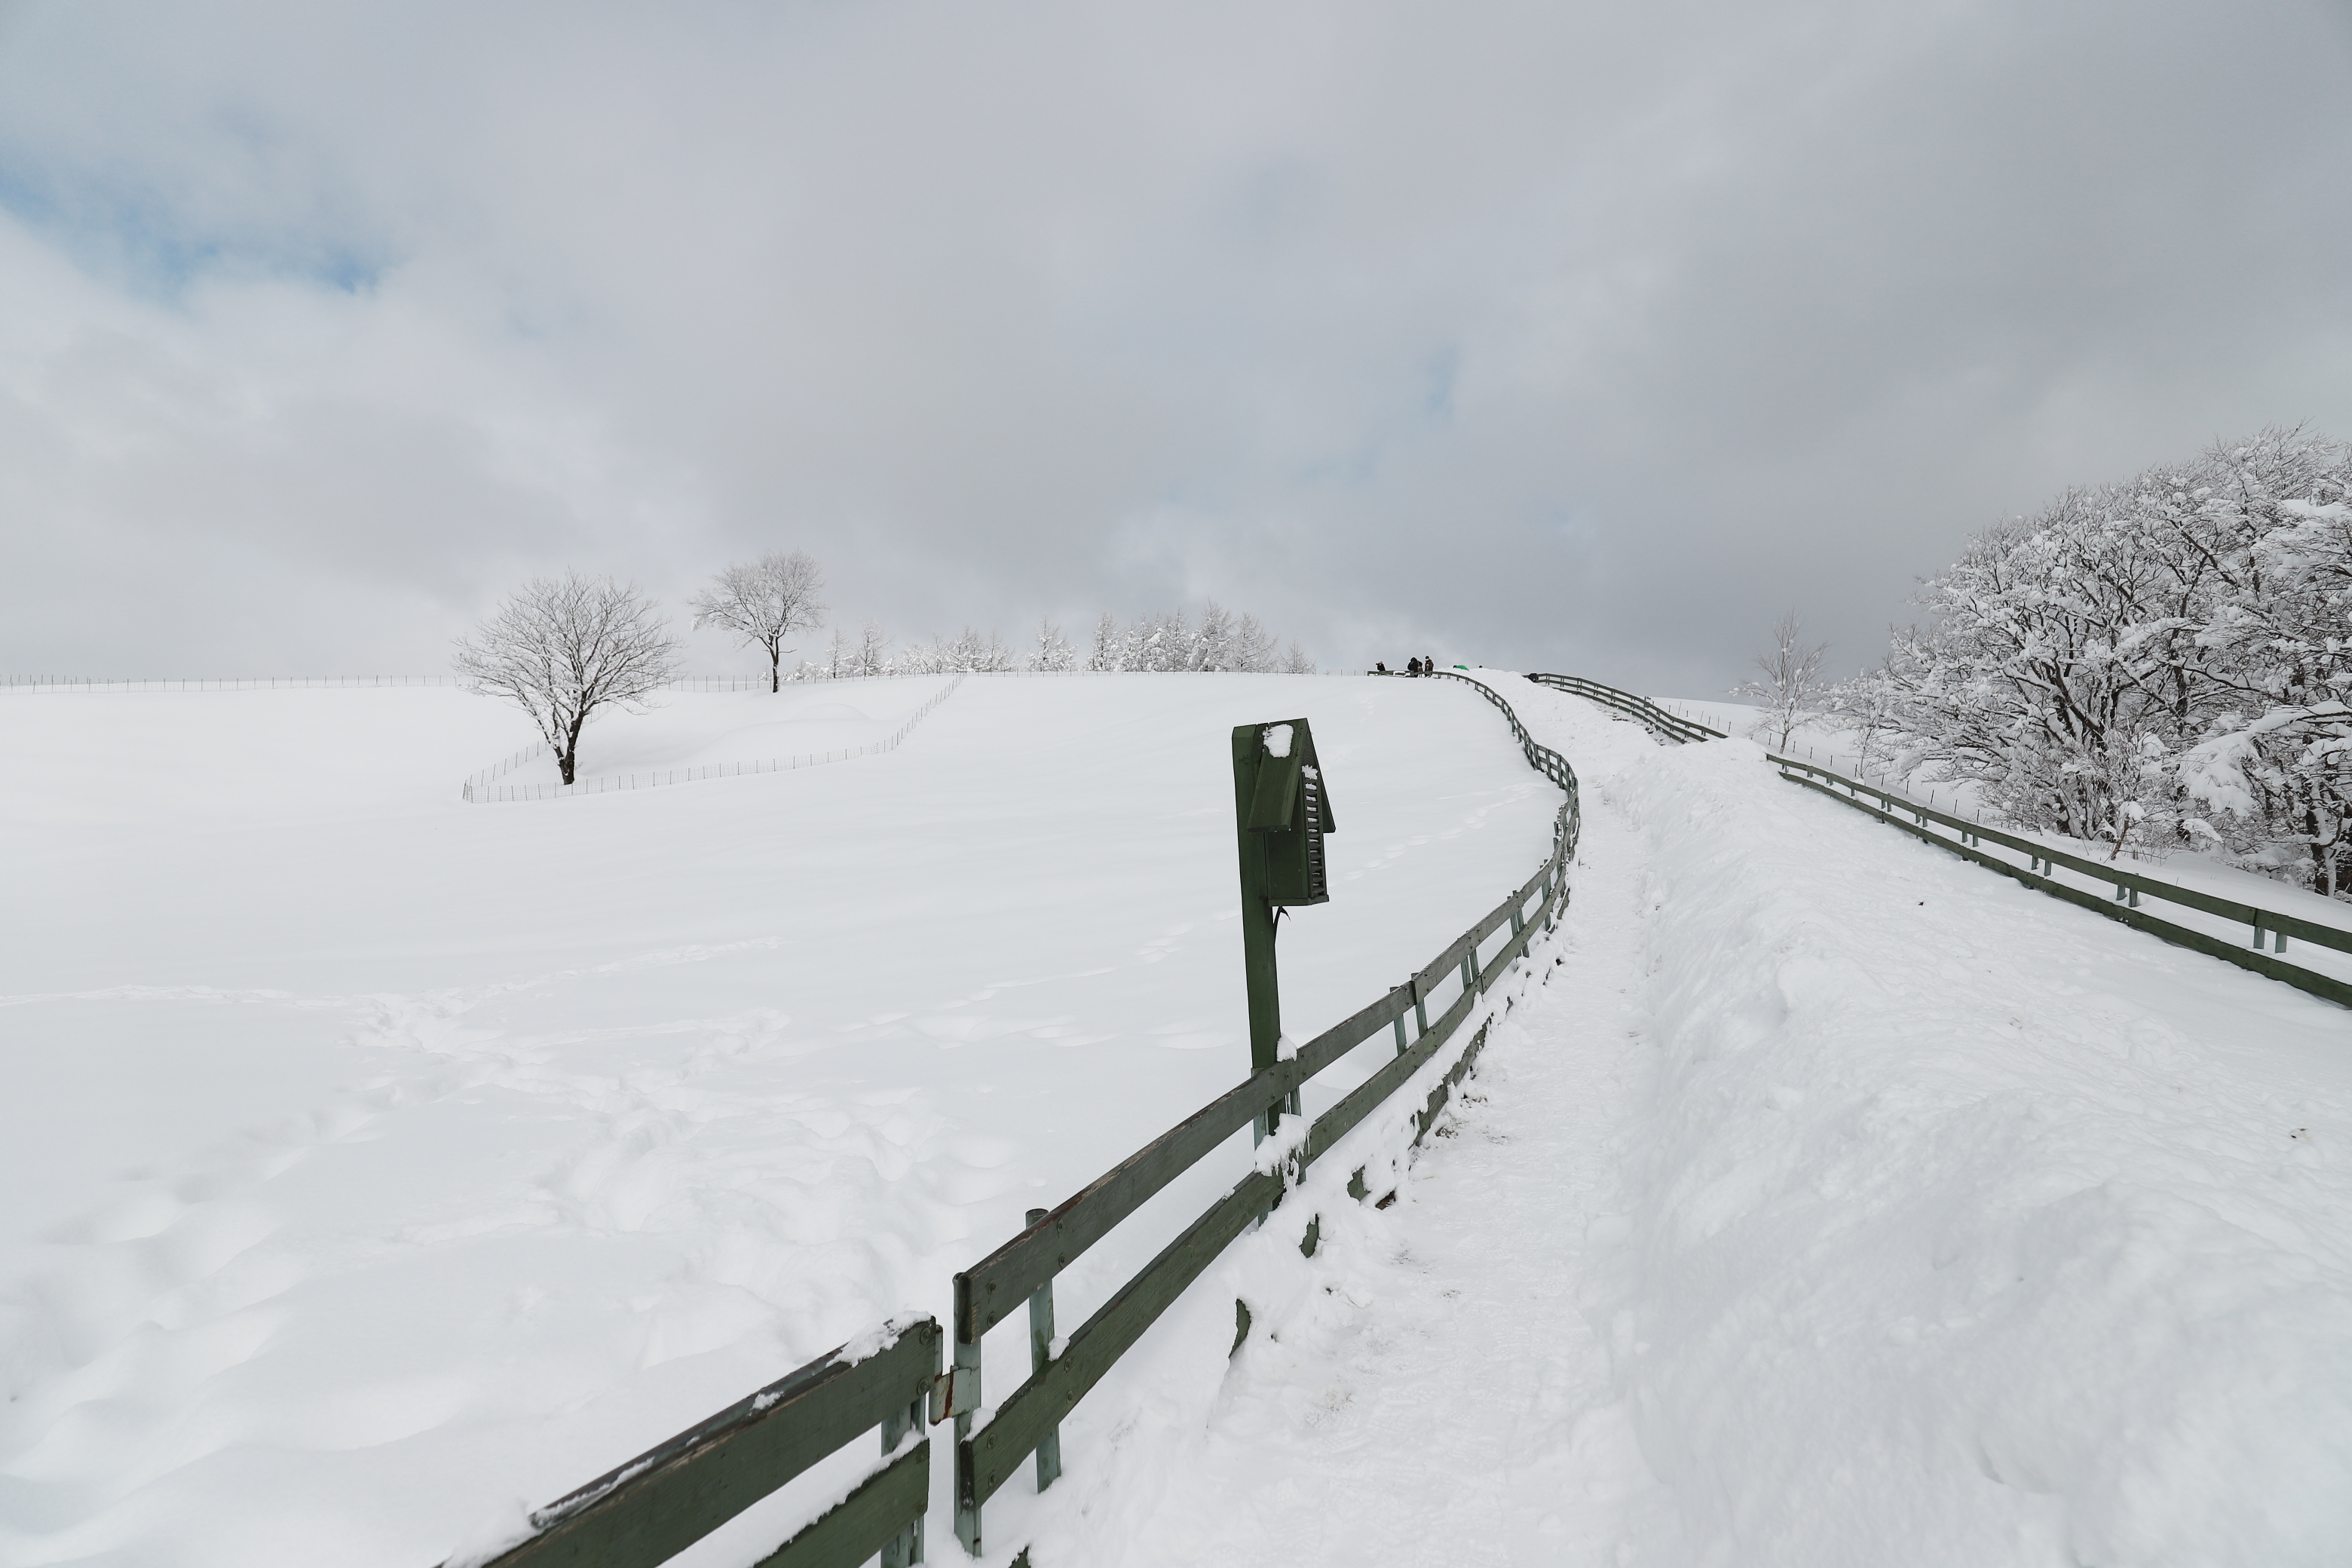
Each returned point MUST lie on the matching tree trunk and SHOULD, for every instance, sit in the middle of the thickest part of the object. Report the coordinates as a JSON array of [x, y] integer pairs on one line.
[[571, 753]]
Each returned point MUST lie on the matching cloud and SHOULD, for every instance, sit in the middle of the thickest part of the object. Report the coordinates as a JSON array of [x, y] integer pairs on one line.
[[1575, 338]]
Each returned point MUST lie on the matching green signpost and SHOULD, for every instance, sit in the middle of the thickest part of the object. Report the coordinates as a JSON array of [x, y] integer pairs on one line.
[[1281, 812]]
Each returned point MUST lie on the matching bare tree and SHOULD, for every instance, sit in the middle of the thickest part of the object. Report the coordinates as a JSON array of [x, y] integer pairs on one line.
[[1792, 686], [563, 647], [764, 602]]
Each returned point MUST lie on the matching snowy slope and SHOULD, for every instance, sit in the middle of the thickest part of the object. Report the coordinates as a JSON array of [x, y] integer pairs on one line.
[[377, 1165], [1835, 1202], [685, 731]]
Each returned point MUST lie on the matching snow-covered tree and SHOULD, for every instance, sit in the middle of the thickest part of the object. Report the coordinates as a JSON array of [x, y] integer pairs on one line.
[[1792, 688], [763, 603], [2164, 661], [1053, 654], [1103, 657], [1295, 662], [872, 651], [563, 647]]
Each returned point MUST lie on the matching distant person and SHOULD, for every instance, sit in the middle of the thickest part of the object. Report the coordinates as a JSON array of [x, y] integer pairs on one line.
[[1412, 668], [1379, 667], [1429, 666]]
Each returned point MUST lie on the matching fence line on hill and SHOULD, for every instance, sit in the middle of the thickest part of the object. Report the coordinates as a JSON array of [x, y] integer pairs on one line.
[[647, 1510], [479, 789], [221, 683], [2043, 864], [679, 683]]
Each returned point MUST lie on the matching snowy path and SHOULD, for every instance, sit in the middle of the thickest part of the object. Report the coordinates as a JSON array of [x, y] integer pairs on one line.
[[1835, 1201], [1433, 1391]]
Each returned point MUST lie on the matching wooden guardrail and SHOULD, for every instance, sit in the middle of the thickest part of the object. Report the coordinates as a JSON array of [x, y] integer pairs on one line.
[[1968, 839], [644, 1511], [1671, 726], [647, 1511]]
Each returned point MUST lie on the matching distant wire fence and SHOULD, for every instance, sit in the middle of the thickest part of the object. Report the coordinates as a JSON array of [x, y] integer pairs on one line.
[[225, 683], [285, 682], [482, 788], [2044, 869], [682, 683], [644, 1511]]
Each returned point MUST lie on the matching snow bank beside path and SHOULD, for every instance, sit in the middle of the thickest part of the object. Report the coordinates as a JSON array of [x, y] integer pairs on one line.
[[1967, 1227], [1835, 1201]]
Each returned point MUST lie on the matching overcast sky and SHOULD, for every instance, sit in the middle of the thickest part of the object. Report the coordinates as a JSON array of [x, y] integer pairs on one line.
[[1585, 337]]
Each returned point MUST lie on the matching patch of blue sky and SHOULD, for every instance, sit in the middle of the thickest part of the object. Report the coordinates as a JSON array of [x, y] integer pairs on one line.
[[148, 245], [1440, 373]]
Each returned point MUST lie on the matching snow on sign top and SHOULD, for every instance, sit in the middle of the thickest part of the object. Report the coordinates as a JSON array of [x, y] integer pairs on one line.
[[1277, 740]]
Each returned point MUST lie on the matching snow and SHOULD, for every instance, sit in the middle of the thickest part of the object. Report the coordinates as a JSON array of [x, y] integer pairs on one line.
[[687, 731], [1834, 748], [385, 1166], [1835, 1201], [1277, 740], [380, 1167]]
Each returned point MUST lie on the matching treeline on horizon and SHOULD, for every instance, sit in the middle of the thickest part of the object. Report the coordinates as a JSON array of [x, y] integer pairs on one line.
[[1166, 642], [2162, 663]]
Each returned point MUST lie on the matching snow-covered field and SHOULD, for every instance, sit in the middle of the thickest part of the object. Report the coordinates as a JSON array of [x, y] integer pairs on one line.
[[380, 1163], [685, 730], [377, 1165]]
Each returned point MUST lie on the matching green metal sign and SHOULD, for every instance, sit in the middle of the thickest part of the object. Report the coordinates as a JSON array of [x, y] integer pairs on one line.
[[1281, 812]]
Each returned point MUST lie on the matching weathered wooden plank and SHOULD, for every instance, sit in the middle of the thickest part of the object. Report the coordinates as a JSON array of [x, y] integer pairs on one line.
[[1348, 1034], [854, 1530], [1509, 953], [1462, 947], [1341, 1119], [647, 1511], [1000, 1284], [1443, 1089], [2317, 984], [989, 1458]]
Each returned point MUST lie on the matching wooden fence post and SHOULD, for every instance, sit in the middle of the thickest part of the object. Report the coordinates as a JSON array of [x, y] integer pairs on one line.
[[1041, 1355]]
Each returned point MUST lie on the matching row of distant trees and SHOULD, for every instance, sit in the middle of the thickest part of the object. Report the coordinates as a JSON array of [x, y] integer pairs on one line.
[[2164, 661], [1166, 642], [562, 648]]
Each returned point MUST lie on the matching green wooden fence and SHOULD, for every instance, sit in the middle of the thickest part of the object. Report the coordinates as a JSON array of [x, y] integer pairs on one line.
[[1968, 839], [656, 1505], [1021, 1272], [646, 1510]]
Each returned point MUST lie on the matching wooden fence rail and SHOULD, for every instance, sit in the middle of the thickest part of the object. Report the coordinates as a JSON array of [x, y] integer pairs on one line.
[[647, 1511]]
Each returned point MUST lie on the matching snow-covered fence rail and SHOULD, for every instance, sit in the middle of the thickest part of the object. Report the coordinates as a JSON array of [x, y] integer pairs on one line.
[[480, 786], [671, 1496], [1671, 726], [2042, 865], [646, 1510]]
